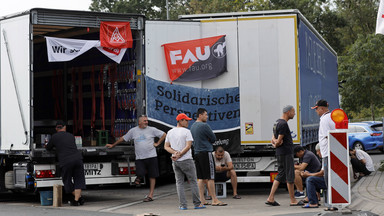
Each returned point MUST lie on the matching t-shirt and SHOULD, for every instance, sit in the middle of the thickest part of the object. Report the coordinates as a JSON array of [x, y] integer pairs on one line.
[[326, 124], [281, 128], [177, 138], [203, 137], [66, 148], [313, 162], [226, 158], [143, 139], [363, 155]]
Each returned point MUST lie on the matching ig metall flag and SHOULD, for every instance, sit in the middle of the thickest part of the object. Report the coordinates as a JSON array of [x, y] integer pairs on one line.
[[195, 60]]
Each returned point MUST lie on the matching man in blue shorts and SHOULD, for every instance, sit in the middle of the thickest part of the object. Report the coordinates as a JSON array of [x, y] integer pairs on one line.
[[204, 137]]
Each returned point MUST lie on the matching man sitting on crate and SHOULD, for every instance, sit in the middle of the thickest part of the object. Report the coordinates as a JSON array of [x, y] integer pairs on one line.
[[224, 169]]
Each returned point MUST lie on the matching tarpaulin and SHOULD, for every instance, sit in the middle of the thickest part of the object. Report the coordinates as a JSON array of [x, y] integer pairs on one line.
[[165, 101], [116, 34], [64, 49], [194, 60]]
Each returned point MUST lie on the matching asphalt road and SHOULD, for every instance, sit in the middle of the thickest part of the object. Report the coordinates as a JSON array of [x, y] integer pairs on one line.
[[127, 200]]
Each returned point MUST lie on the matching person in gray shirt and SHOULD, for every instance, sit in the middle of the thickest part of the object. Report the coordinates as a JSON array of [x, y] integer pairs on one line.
[[145, 151], [203, 139]]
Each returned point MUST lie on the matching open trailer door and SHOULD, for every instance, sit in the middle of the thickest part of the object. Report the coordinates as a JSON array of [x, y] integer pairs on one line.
[[15, 83]]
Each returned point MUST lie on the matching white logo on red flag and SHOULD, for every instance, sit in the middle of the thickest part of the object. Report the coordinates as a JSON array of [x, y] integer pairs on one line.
[[116, 35], [198, 59]]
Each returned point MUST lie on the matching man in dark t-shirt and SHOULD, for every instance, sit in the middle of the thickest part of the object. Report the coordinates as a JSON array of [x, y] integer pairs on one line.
[[70, 161], [308, 162], [282, 141]]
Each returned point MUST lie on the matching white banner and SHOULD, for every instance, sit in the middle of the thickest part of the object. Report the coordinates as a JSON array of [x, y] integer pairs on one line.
[[380, 19], [63, 49]]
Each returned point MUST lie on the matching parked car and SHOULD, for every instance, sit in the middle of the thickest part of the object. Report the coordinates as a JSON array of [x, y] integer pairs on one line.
[[366, 135]]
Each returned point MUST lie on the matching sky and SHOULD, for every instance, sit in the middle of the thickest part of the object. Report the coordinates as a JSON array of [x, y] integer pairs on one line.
[[14, 6]]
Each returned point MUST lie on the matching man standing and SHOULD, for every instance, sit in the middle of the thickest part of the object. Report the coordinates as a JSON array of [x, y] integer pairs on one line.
[[203, 137], [325, 125], [361, 163], [179, 142], [70, 161], [309, 163], [225, 170], [282, 141], [145, 151]]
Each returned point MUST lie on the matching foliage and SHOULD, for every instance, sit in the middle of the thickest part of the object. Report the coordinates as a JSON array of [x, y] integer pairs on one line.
[[363, 69], [359, 17]]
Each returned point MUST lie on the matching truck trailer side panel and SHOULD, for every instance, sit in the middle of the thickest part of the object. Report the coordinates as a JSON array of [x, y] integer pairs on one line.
[[318, 80], [15, 85], [268, 76]]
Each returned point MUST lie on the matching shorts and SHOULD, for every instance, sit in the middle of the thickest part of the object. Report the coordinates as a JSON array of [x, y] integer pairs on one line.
[[148, 166], [205, 165], [221, 177], [73, 170], [286, 168]]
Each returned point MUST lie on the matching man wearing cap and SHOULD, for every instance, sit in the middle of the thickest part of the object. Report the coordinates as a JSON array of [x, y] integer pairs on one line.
[[145, 152], [326, 124], [204, 137], [178, 142], [70, 161], [282, 141]]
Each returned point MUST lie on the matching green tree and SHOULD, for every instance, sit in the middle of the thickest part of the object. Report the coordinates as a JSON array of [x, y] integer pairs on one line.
[[363, 69], [359, 17]]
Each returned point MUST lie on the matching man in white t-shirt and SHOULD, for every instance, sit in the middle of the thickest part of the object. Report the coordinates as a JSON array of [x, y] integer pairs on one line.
[[145, 151], [179, 142], [361, 163], [224, 169]]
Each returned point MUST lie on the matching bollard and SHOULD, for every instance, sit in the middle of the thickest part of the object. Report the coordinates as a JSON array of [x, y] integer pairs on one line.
[[57, 195]]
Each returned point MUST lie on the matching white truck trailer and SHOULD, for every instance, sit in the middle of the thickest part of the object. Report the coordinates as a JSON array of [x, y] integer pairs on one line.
[[274, 58], [35, 93]]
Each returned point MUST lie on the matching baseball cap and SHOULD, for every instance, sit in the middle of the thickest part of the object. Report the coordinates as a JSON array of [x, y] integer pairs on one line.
[[60, 123], [182, 116], [321, 102]]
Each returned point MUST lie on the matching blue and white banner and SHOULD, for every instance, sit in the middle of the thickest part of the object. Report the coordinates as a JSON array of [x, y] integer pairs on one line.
[[165, 101]]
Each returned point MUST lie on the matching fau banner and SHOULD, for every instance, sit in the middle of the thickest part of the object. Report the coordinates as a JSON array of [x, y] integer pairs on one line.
[[165, 101], [194, 60], [63, 49], [116, 35]]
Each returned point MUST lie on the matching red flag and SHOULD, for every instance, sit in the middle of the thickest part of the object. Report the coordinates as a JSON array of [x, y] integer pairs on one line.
[[194, 60], [116, 35]]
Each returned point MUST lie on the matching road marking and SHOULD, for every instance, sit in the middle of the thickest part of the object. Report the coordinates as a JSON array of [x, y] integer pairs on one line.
[[136, 202]]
